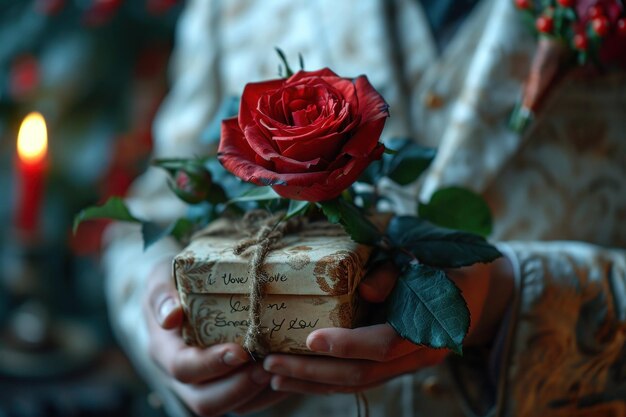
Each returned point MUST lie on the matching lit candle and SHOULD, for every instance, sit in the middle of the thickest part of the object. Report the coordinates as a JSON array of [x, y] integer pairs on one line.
[[32, 146]]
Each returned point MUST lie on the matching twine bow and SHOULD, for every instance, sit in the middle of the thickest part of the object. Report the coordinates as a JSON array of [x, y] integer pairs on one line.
[[265, 231]]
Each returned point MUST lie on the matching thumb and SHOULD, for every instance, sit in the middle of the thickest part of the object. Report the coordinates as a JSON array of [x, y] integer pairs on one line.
[[166, 309], [378, 283], [162, 299]]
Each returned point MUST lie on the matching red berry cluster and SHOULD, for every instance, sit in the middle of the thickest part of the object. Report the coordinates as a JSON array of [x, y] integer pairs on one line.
[[586, 25]]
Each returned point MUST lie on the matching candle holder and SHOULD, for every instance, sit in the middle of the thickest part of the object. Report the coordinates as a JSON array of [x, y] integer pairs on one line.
[[34, 341]]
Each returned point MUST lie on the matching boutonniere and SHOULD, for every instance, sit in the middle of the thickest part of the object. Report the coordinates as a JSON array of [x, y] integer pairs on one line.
[[570, 33]]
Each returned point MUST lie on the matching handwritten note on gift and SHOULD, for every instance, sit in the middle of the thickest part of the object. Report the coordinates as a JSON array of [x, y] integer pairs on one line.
[[311, 285]]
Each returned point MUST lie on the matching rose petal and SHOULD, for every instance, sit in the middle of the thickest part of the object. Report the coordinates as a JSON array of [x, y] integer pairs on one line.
[[347, 89], [334, 184], [252, 92], [365, 138], [233, 141], [300, 75], [372, 106], [258, 142], [304, 137], [326, 147], [237, 157], [286, 165]]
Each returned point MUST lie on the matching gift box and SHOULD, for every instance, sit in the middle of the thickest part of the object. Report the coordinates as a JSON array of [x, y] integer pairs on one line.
[[312, 276]]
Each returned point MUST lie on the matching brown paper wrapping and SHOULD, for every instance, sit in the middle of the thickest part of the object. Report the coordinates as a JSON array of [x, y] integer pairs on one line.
[[313, 280]]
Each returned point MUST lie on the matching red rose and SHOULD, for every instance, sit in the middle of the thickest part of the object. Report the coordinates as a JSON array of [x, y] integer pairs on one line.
[[309, 136]]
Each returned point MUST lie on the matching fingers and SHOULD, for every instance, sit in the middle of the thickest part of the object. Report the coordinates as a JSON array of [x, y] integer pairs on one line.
[[166, 308], [263, 400], [162, 297], [194, 365], [379, 282], [297, 374], [190, 364], [226, 394], [296, 386], [377, 343], [187, 364]]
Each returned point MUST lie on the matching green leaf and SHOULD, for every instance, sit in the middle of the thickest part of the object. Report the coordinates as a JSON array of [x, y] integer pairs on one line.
[[372, 173], [171, 165], [458, 208], [256, 194], [181, 228], [438, 246], [390, 151], [301, 60], [426, 308], [360, 229], [114, 208], [296, 207], [283, 58], [217, 194], [153, 232], [409, 163], [331, 211]]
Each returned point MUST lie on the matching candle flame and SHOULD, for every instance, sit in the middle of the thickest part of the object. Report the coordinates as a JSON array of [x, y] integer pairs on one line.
[[32, 140]]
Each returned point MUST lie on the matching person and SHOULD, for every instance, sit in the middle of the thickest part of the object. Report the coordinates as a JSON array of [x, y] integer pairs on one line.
[[548, 320]]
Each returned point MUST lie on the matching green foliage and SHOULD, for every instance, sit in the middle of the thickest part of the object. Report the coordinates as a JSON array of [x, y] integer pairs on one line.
[[216, 195], [403, 162], [458, 208], [256, 194], [153, 232], [360, 229], [426, 308], [296, 207], [409, 162], [288, 72], [114, 208], [438, 246]]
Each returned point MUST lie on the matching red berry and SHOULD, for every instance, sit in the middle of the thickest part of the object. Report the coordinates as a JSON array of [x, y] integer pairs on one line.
[[580, 41], [621, 27], [544, 24], [595, 11], [601, 26], [566, 3], [523, 4]]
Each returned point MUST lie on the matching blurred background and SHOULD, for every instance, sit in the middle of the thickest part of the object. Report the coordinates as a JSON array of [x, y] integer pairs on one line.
[[95, 70]]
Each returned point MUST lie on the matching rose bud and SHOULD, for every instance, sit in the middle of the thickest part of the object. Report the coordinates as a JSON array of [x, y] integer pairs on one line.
[[192, 184], [309, 136]]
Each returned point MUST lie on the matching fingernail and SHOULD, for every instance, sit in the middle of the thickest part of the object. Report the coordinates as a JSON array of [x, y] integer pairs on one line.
[[232, 359], [275, 383], [259, 376], [166, 307], [318, 344], [276, 368]]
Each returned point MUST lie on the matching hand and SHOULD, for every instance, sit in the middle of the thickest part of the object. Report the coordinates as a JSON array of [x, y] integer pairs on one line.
[[364, 357], [209, 381], [357, 358]]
